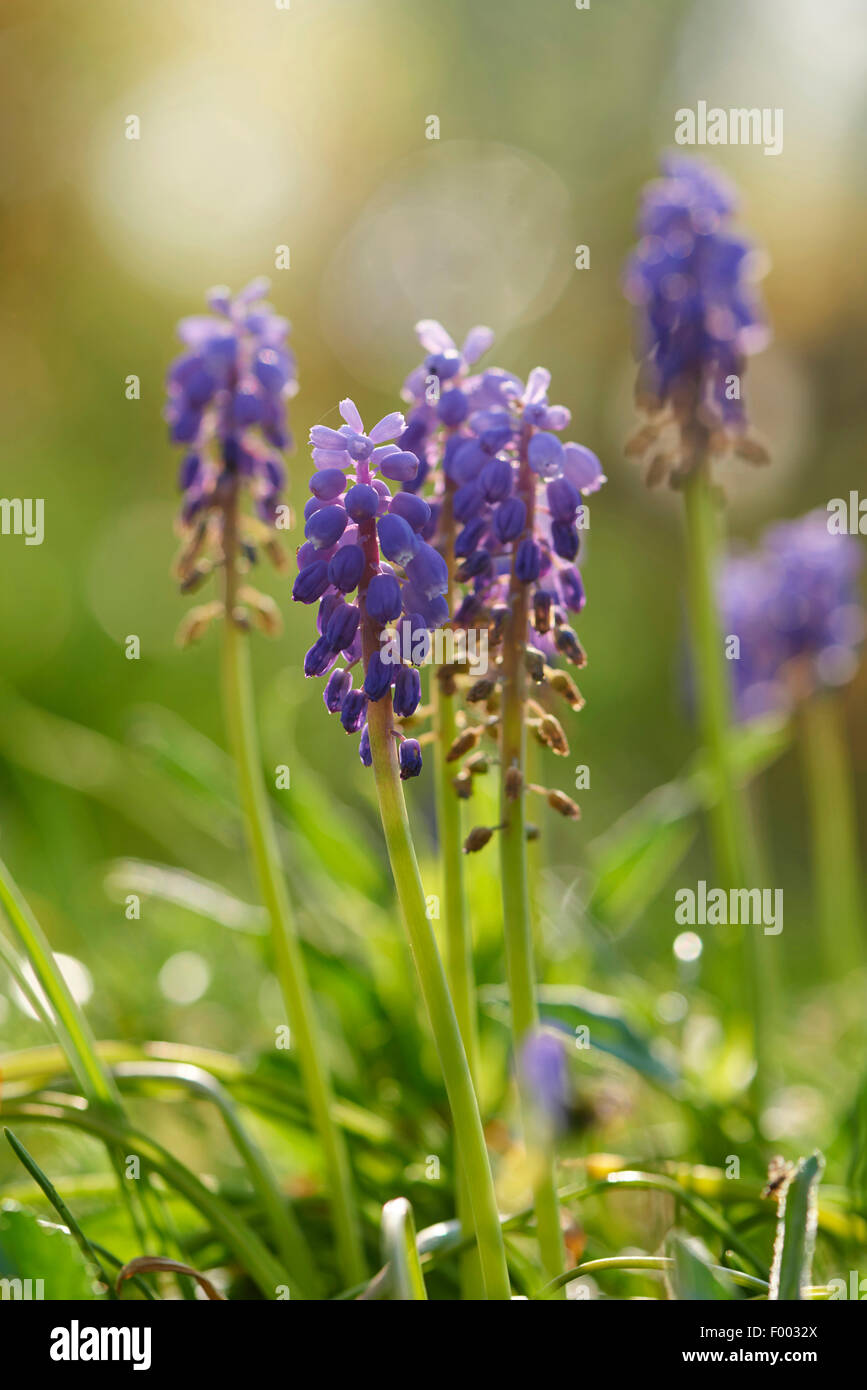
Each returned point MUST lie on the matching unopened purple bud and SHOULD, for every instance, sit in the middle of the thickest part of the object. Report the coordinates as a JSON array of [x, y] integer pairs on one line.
[[469, 537], [414, 510], [544, 1071], [528, 561], [342, 626], [320, 658], [397, 539], [346, 567], [337, 687], [383, 599], [582, 468], [409, 758], [185, 425], [311, 582], [364, 752], [563, 499], [445, 364], [358, 447], [402, 467], [378, 677], [428, 571], [496, 437], [474, 565], [510, 518], [328, 483], [545, 454], [565, 539], [414, 639], [463, 459], [467, 501], [326, 526], [190, 472], [407, 691], [495, 480], [572, 589], [361, 502], [452, 407], [353, 710]]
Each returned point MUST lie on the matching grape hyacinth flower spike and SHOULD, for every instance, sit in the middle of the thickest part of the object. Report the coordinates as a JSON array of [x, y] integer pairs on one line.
[[795, 607], [226, 407], [697, 321], [380, 590], [227, 397], [378, 585]]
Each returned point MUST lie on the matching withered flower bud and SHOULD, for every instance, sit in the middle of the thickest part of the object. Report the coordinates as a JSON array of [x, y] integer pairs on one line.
[[560, 802], [478, 838], [513, 783], [562, 683], [550, 732], [566, 642], [465, 742], [463, 784], [534, 663], [480, 690]]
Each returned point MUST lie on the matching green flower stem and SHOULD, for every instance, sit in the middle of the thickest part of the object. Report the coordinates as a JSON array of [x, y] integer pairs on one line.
[[517, 922], [289, 961], [453, 1059], [458, 936], [833, 819], [732, 847]]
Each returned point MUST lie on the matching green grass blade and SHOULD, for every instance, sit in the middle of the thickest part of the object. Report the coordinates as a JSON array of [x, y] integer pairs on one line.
[[399, 1252], [796, 1230]]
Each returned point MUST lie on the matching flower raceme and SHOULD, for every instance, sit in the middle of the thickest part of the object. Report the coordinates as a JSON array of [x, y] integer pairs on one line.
[[509, 507], [795, 608], [367, 563], [697, 318], [226, 405]]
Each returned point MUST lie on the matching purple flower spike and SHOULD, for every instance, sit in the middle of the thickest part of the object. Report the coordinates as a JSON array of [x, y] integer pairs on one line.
[[409, 758]]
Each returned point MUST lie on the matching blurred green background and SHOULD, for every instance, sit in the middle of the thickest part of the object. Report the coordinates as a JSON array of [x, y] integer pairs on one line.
[[305, 127]]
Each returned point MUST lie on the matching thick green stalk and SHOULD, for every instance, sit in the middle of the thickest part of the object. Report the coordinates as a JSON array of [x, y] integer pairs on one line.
[[517, 923], [834, 825], [453, 1059], [289, 961], [458, 935], [735, 861]]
